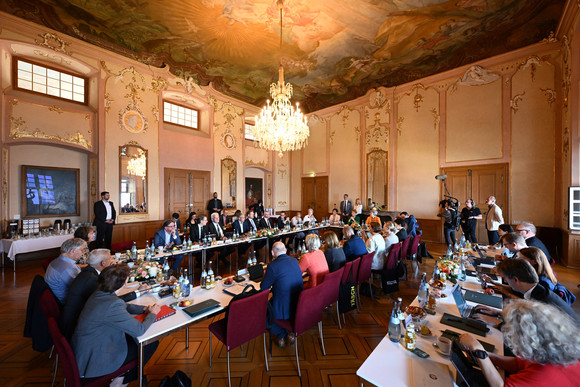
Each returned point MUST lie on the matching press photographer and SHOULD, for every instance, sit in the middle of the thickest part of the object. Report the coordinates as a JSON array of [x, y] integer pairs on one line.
[[448, 211]]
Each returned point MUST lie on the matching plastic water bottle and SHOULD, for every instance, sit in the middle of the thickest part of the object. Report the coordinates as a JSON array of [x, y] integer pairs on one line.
[[254, 260], [134, 253], [395, 324], [449, 254], [165, 270], [423, 291], [203, 281], [185, 290], [147, 251], [462, 275], [462, 242], [210, 278], [436, 274]]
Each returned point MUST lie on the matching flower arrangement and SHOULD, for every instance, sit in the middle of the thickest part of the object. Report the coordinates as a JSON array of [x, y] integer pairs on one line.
[[449, 267], [145, 271]]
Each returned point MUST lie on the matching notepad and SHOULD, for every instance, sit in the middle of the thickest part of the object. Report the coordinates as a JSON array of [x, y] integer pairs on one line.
[[163, 313]]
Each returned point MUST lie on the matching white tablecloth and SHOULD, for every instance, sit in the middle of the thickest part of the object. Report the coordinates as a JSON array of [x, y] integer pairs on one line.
[[391, 365], [19, 246]]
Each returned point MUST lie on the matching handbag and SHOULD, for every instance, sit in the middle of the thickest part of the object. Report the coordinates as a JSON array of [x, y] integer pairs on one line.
[[347, 295], [179, 379], [256, 272], [249, 290]]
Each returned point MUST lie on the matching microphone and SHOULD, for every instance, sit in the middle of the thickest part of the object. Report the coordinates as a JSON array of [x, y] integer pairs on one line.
[[441, 177]]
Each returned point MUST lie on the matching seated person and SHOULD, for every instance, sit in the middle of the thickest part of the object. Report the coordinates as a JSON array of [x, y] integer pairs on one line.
[[297, 219], [513, 242], [373, 218], [191, 220], [175, 218], [266, 222], [522, 278], [239, 225], [309, 218], [168, 237], [63, 270], [87, 234], [546, 352], [333, 253], [502, 230], [390, 236], [251, 223], [215, 229], [81, 288], [401, 231], [284, 276], [411, 223], [376, 244], [334, 219], [224, 219], [198, 231], [539, 261], [528, 231], [354, 219], [353, 245], [282, 221], [105, 336], [313, 262], [236, 215]]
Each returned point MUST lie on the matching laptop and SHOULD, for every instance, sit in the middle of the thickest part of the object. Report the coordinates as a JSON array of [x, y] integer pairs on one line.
[[464, 309], [483, 258], [483, 298], [428, 373], [471, 376], [201, 307]]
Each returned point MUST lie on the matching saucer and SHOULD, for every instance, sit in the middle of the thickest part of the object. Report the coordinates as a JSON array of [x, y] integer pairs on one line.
[[439, 351]]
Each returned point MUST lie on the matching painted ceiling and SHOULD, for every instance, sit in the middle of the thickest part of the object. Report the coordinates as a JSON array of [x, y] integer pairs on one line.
[[333, 50]]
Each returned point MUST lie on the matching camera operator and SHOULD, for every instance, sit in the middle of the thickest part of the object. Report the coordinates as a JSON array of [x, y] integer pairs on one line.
[[447, 211]]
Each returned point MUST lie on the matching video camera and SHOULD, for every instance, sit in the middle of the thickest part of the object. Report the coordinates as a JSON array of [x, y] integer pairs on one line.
[[453, 202]]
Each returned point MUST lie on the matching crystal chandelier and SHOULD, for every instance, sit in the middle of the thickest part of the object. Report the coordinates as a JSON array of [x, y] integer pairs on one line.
[[137, 165], [281, 127]]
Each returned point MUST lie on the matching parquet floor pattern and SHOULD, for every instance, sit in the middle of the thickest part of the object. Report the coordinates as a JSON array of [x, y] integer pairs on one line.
[[346, 349]]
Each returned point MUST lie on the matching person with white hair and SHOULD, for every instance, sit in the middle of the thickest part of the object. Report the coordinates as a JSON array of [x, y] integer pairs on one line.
[[545, 343], [493, 218], [313, 262], [528, 231]]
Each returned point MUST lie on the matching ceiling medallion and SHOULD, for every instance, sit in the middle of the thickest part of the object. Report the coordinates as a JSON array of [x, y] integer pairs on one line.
[[280, 127]]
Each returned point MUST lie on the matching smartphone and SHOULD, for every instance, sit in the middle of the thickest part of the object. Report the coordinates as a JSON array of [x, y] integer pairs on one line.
[[420, 353], [164, 293]]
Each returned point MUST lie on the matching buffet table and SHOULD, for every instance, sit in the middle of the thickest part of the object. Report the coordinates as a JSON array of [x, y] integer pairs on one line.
[[11, 247]]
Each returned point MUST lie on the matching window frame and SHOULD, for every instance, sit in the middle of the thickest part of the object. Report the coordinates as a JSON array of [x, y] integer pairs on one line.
[[198, 129], [15, 60], [253, 124]]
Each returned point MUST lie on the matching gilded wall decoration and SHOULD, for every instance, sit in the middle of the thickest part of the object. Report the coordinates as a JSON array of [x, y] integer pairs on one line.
[[190, 85], [514, 102], [250, 163], [228, 140], [345, 113], [550, 95], [54, 42], [436, 118], [213, 102], [55, 109], [54, 58], [400, 121], [475, 76], [158, 84], [377, 99], [282, 170], [532, 62], [566, 143], [108, 102], [281, 204], [566, 72], [4, 179], [155, 112], [377, 132]]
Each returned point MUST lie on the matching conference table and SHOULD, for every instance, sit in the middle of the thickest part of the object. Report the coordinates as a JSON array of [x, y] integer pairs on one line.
[[392, 365], [11, 247]]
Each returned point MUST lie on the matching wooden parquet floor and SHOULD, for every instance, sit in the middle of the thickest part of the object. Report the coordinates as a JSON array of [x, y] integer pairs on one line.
[[346, 349]]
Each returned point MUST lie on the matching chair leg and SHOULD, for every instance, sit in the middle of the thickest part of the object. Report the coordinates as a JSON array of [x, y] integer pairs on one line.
[[210, 349], [371, 285], [55, 369], [242, 348], [51, 351], [265, 353], [187, 338], [229, 377], [357, 295], [297, 360], [321, 337], [338, 316]]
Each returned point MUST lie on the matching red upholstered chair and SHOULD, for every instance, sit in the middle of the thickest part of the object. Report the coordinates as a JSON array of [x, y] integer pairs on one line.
[[308, 314], [120, 247], [50, 309], [364, 274], [393, 256], [405, 252], [246, 321], [355, 267], [331, 296], [414, 247], [69, 363], [347, 268]]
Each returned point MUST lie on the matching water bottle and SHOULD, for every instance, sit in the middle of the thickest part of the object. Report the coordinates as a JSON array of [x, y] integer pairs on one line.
[[147, 251], [186, 288], [462, 275], [423, 291], [254, 260], [203, 281], [134, 253], [462, 242], [401, 315], [249, 258], [436, 274], [456, 246], [395, 324], [166, 270], [210, 278], [449, 254]]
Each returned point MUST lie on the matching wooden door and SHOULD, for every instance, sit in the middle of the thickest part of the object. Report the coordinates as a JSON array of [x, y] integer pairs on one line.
[[186, 191], [478, 182], [315, 196]]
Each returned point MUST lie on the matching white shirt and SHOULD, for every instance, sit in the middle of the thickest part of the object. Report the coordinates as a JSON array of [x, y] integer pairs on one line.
[[109, 210], [218, 230], [358, 209], [309, 218], [528, 294], [252, 223], [167, 238], [377, 244], [296, 220]]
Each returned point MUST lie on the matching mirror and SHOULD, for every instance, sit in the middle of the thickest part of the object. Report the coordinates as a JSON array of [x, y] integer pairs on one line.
[[229, 176], [377, 177], [133, 179]]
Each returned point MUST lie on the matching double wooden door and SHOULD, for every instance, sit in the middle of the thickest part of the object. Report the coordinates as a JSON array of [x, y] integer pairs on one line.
[[186, 191], [315, 196], [479, 182]]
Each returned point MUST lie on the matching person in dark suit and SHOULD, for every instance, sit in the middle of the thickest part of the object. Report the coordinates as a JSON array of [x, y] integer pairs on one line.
[[240, 226], [258, 209], [198, 231], [215, 229], [265, 222], [215, 205], [251, 223], [282, 221], [283, 275], [411, 222], [175, 218], [81, 288], [104, 339], [345, 208], [401, 231], [105, 216], [353, 246], [528, 231], [169, 237]]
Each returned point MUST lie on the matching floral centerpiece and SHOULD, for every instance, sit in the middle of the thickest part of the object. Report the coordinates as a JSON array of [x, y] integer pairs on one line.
[[448, 267], [144, 271]]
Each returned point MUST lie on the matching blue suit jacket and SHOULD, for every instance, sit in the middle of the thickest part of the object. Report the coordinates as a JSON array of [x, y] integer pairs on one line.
[[354, 248], [159, 239], [284, 276], [412, 225], [241, 227]]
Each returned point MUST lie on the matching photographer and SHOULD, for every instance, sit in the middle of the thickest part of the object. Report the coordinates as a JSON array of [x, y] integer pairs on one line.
[[448, 211]]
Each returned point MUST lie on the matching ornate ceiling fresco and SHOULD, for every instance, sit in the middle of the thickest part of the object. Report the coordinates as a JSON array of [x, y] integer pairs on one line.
[[333, 50]]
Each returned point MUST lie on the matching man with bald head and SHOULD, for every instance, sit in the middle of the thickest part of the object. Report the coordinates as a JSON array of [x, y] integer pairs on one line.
[[284, 276]]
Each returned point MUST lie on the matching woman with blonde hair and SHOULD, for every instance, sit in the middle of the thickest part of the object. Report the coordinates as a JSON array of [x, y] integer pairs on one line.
[[545, 343], [334, 253], [391, 238], [358, 207], [313, 262]]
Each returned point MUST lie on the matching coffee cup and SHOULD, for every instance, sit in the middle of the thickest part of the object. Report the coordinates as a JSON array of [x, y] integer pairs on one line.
[[444, 345], [118, 255], [160, 249]]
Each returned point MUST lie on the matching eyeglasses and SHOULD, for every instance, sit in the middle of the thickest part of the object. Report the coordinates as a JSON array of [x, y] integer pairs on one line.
[[522, 229]]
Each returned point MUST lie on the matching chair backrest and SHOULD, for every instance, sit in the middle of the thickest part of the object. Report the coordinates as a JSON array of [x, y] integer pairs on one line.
[[415, 244], [347, 268], [121, 246], [355, 267], [309, 308], [405, 248], [49, 305], [47, 262], [246, 319], [65, 354], [364, 270], [393, 256], [333, 280]]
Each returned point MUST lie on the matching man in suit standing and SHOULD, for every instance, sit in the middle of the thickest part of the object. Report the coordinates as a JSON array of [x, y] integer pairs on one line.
[[345, 208], [215, 205], [169, 237], [284, 276], [105, 216]]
